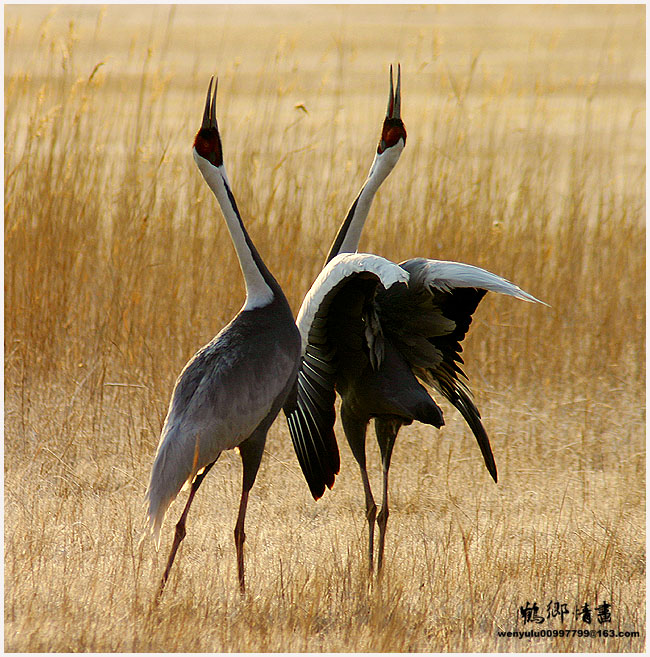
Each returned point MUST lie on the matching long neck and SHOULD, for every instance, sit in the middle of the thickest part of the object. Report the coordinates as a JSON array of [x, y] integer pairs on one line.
[[347, 239], [261, 287]]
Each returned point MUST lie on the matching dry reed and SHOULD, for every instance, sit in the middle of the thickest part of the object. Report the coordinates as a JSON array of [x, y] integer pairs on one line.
[[118, 267]]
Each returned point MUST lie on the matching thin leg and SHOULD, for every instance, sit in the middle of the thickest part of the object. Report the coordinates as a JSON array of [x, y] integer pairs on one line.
[[240, 537], [386, 433], [371, 513], [251, 451], [179, 534], [355, 432], [382, 521]]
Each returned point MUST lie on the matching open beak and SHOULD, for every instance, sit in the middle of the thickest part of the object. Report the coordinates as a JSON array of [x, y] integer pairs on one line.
[[395, 98], [393, 129], [210, 113]]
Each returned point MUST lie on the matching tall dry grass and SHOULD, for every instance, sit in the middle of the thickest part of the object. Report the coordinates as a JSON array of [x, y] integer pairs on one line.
[[525, 156]]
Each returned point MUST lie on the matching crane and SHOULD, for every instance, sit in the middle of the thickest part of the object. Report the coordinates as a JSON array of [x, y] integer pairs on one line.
[[377, 345], [231, 390]]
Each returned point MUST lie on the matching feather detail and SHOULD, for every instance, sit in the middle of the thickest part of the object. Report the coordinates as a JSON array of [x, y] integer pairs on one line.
[[335, 273], [446, 274], [311, 414]]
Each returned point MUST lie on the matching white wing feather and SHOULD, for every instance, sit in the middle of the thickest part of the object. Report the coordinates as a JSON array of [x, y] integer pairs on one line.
[[336, 271], [446, 275]]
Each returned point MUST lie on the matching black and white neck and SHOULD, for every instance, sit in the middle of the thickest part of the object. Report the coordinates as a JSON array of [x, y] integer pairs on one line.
[[390, 147], [261, 286]]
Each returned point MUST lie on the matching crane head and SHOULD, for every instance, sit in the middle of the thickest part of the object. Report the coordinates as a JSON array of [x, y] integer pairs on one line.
[[207, 142], [393, 129]]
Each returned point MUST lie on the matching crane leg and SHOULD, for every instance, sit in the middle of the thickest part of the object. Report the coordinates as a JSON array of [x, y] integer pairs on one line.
[[251, 451], [371, 514], [355, 432], [240, 537], [179, 533], [386, 430]]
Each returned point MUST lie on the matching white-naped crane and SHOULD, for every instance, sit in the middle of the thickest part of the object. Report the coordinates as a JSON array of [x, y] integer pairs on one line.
[[231, 390], [377, 344]]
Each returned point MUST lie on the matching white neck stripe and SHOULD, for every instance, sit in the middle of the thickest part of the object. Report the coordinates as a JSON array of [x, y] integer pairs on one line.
[[382, 165], [258, 292]]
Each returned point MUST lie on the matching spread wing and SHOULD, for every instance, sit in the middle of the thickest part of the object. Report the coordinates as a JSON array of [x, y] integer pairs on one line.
[[347, 279], [428, 321]]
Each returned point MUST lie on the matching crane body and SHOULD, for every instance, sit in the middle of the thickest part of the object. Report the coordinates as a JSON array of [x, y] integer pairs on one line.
[[204, 419], [376, 345], [231, 390]]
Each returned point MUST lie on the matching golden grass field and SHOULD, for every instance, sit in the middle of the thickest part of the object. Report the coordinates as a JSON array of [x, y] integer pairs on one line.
[[525, 155]]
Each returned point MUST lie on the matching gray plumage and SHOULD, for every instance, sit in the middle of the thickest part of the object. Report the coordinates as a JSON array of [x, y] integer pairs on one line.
[[232, 389]]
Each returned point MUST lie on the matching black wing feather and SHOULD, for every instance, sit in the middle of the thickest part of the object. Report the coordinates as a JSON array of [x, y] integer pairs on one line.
[[428, 326], [310, 412]]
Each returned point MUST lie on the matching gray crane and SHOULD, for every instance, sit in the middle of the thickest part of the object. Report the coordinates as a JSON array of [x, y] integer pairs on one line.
[[231, 390], [376, 344]]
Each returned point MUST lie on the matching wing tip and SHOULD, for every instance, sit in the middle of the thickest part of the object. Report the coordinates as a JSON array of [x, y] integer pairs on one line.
[[317, 484], [526, 296], [472, 416], [491, 465], [324, 477]]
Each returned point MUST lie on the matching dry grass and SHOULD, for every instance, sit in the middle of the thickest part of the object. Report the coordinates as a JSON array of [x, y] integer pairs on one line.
[[525, 155]]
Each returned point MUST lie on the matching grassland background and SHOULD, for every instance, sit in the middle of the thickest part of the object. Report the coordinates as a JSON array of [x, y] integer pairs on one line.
[[525, 155]]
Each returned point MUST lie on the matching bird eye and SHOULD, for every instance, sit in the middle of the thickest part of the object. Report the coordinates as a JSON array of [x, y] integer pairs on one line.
[[394, 135], [208, 145]]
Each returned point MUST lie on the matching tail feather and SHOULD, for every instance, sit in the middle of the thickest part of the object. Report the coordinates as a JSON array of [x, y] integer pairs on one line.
[[155, 519], [169, 473], [429, 412]]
